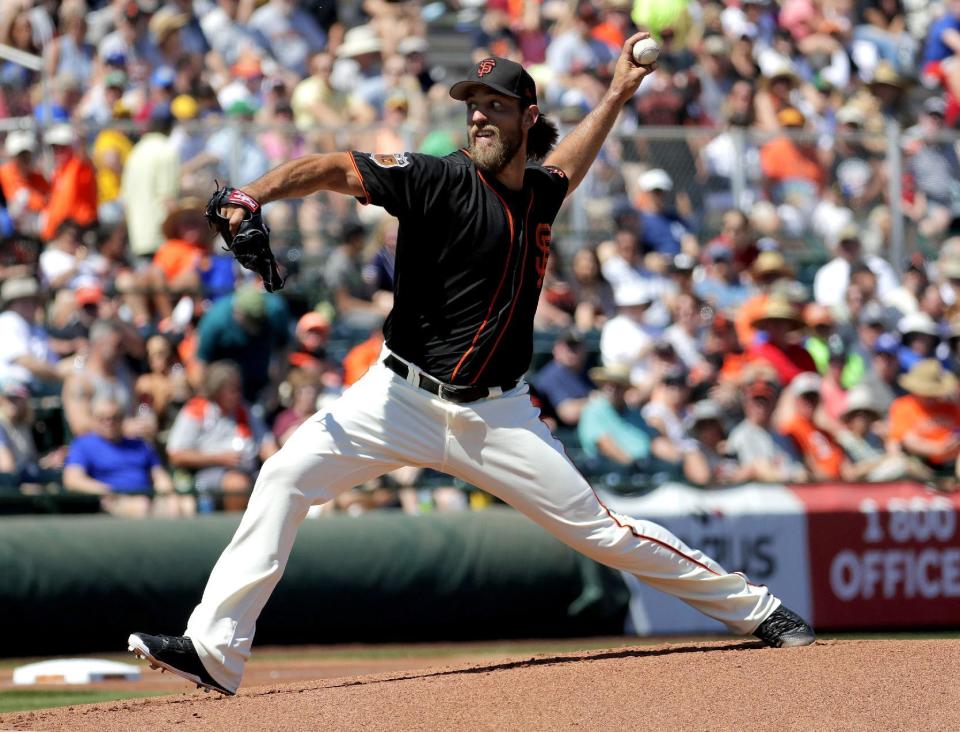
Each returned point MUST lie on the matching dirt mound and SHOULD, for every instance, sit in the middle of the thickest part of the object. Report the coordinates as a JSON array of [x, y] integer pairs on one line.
[[855, 685]]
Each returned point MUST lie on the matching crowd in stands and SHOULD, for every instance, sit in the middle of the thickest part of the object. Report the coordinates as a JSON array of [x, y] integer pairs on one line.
[[723, 308]]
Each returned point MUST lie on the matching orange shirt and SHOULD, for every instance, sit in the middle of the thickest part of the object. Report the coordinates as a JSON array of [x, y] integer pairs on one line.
[[176, 256], [781, 159], [748, 312], [360, 358], [12, 181], [73, 195], [936, 422], [823, 451]]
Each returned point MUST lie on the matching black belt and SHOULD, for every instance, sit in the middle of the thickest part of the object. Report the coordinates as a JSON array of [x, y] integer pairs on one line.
[[458, 394]]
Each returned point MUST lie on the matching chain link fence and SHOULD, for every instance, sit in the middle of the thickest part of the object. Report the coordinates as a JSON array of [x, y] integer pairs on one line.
[[901, 187]]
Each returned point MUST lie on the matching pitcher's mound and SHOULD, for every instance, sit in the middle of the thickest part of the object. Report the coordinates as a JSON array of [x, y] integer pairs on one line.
[[849, 685]]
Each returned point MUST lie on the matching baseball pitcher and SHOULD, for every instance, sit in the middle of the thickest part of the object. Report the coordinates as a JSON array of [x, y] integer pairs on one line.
[[448, 391]]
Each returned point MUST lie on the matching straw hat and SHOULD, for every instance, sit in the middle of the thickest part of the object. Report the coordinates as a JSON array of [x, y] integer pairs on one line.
[[185, 206], [165, 21], [860, 399], [359, 40], [767, 262], [928, 378], [886, 75], [18, 288], [613, 374], [777, 309]]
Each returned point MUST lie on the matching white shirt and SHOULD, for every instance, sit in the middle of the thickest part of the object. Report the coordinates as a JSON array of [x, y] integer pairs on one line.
[[625, 342], [20, 338], [55, 263], [151, 178], [831, 281], [618, 273]]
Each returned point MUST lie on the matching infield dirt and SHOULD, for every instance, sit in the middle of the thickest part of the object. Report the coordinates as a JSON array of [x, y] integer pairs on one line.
[[725, 685]]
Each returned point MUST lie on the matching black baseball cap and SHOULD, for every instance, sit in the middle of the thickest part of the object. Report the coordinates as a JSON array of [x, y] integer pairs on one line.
[[503, 76]]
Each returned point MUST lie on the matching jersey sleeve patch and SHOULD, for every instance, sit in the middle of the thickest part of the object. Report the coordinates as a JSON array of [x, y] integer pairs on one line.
[[554, 170], [395, 160]]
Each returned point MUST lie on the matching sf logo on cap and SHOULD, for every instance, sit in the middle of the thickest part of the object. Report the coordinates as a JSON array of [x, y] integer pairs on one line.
[[485, 66]]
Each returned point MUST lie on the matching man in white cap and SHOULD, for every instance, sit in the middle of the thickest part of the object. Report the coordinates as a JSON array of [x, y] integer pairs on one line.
[[24, 187], [626, 340], [73, 185], [25, 351], [662, 230]]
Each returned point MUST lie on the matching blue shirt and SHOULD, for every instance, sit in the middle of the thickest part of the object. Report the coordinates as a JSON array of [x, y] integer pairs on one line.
[[125, 465], [935, 49], [558, 383], [662, 232], [628, 429]]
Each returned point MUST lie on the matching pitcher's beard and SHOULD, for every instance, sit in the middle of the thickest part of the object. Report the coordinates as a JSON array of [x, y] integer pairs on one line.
[[492, 157]]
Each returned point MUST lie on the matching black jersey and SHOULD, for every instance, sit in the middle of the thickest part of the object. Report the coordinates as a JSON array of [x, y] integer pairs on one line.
[[471, 256]]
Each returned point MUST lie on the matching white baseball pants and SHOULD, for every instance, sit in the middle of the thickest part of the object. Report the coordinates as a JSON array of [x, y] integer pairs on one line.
[[499, 444]]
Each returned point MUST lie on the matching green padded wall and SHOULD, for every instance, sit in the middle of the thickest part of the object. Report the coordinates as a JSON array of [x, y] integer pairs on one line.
[[83, 583]]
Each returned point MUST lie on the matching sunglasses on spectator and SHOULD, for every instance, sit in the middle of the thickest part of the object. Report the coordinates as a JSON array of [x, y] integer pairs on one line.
[[109, 417]]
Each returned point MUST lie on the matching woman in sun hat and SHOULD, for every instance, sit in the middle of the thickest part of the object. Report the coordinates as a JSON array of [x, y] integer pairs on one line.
[[926, 422]]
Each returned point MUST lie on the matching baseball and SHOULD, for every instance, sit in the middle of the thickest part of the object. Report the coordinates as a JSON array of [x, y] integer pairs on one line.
[[646, 51]]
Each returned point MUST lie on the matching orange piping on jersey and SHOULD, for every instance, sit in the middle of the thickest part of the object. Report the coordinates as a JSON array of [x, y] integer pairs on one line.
[[503, 278], [516, 295], [363, 185]]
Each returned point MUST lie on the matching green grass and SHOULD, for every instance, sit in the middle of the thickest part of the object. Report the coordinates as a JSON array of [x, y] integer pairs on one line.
[[21, 700]]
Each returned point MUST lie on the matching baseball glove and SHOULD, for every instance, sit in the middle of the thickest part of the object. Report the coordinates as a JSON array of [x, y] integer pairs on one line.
[[251, 244]]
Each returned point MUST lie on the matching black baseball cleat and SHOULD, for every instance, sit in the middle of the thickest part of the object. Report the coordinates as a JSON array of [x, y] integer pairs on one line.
[[176, 654], [784, 628]]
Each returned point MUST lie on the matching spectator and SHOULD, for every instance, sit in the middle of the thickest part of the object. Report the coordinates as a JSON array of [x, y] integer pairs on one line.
[[625, 340], [720, 285], [687, 335], [64, 262], [125, 471], [26, 352], [777, 346], [248, 328], [24, 187], [824, 458], [225, 29], [611, 429], [563, 381], [164, 388], [766, 454], [666, 412], [234, 149], [940, 52], [109, 154], [18, 452], [304, 388], [706, 462], [70, 53], [832, 279], [343, 274], [663, 230], [362, 356], [864, 448], [216, 437], [150, 184], [919, 338], [73, 187], [769, 271], [621, 263], [186, 262], [791, 166], [309, 353], [592, 293], [315, 102], [925, 423], [103, 373], [291, 32]]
